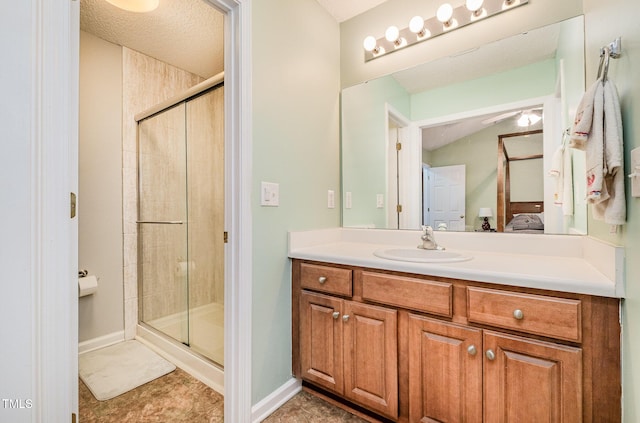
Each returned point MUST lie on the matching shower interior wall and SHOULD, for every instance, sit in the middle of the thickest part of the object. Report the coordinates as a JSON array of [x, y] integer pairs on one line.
[[135, 83], [146, 82], [181, 178]]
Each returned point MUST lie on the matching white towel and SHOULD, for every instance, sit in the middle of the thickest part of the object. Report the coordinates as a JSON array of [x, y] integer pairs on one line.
[[562, 170], [597, 129], [567, 182], [613, 210]]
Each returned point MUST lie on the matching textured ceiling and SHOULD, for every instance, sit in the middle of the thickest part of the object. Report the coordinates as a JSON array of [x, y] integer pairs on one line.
[[184, 33]]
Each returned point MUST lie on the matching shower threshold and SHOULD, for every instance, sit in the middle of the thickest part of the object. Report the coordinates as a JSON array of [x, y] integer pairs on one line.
[[188, 359]]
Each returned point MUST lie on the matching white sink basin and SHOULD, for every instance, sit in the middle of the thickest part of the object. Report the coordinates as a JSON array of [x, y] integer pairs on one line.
[[419, 255]]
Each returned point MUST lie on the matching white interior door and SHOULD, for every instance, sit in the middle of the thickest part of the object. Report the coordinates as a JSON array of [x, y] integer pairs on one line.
[[446, 197]]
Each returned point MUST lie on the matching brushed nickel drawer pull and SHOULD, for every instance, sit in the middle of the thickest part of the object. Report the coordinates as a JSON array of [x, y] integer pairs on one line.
[[472, 350], [518, 314], [490, 355], [322, 279], [336, 314]]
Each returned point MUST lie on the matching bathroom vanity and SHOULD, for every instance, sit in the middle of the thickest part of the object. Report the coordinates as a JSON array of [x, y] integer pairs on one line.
[[518, 332]]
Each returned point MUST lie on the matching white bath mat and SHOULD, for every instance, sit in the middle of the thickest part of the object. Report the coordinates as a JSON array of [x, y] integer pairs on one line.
[[116, 369]]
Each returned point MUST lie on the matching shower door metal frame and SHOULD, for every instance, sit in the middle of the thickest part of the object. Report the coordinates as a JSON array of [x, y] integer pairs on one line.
[[198, 90]]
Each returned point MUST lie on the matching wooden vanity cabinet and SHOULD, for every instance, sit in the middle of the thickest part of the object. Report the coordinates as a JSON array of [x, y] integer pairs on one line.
[[445, 371], [452, 368], [464, 351], [350, 349]]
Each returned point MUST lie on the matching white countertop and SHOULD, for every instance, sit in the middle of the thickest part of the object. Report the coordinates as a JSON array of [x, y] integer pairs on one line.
[[578, 264]]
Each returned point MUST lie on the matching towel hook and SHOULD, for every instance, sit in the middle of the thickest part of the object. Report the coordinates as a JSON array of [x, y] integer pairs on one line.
[[603, 68], [613, 50]]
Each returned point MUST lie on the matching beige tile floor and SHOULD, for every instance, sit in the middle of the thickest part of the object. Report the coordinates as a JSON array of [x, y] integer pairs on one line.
[[178, 397]]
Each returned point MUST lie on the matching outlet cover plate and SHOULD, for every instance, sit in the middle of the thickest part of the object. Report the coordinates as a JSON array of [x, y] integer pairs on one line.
[[270, 194]]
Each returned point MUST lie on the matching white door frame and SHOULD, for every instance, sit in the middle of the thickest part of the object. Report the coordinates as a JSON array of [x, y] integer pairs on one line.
[[54, 161], [54, 242], [238, 258], [409, 171]]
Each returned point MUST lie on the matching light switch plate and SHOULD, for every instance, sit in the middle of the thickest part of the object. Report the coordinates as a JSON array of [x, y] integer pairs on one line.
[[331, 199], [635, 172], [270, 194]]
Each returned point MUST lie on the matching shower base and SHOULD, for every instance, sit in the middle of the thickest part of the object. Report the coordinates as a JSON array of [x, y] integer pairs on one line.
[[204, 356]]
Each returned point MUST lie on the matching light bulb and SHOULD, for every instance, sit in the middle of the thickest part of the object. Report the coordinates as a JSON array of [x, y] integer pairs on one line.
[[523, 120], [416, 24], [139, 6], [392, 33], [370, 43], [534, 118], [445, 13], [474, 5]]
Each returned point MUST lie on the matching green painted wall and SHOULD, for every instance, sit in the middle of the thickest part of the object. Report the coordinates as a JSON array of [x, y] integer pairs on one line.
[[501, 88], [479, 152], [364, 146], [604, 21], [296, 85]]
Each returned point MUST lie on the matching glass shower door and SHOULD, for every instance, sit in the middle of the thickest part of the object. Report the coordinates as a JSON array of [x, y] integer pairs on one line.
[[205, 185], [163, 261]]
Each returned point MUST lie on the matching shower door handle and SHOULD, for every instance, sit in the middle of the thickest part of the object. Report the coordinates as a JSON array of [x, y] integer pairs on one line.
[[162, 222]]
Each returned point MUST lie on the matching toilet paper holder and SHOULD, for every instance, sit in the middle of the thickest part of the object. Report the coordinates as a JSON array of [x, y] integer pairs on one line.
[[82, 273]]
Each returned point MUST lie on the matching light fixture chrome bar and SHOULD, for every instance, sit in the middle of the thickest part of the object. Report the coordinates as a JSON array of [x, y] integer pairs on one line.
[[433, 27]]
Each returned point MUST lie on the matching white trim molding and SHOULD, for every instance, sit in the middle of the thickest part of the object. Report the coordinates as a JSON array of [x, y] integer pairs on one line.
[[238, 258], [275, 400], [198, 367], [100, 342], [54, 149]]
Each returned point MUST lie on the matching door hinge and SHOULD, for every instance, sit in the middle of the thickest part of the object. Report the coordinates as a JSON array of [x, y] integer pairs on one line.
[[398, 146], [73, 205], [399, 208], [226, 237], [73, 417]]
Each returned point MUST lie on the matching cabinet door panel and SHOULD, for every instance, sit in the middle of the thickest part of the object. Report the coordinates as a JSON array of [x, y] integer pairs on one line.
[[445, 372], [531, 381], [321, 340], [371, 357]]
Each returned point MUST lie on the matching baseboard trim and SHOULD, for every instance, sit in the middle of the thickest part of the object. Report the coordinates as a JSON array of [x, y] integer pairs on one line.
[[198, 367], [100, 342], [275, 400]]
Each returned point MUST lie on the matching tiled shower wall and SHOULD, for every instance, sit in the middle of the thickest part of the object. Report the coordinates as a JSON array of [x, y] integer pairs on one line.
[[146, 82], [181, 178]]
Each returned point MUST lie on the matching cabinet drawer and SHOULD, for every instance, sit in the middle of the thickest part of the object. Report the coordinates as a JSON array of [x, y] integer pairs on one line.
[[412, 293], [559, 318], [333, 280]]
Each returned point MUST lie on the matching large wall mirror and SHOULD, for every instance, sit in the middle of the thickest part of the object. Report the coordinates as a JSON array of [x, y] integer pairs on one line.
[[421, 146]]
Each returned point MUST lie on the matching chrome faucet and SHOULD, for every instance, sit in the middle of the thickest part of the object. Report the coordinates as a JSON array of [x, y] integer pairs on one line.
[[429, 239]]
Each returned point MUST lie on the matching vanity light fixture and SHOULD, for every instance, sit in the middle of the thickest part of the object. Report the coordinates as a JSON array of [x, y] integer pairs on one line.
[[448, 18], [392, 34], [476, 9], [416, 25], [506, 4], [445, 15]]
